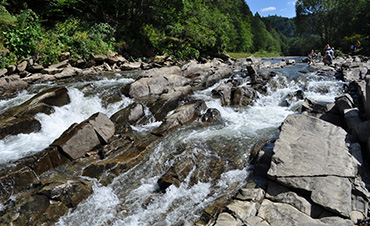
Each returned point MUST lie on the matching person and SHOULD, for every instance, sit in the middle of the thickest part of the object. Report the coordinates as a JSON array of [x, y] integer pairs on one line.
[[328, 58], [311, 56], [358, 44]]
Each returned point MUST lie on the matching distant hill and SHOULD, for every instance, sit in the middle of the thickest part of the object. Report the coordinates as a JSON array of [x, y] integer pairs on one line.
[[285, 25]]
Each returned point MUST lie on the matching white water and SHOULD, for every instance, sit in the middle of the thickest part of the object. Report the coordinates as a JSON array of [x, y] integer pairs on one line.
[[80, 108], [132, 198], [240, 128]]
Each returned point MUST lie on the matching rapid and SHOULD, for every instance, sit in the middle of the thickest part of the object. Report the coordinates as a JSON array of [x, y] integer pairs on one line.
[[222, 148]]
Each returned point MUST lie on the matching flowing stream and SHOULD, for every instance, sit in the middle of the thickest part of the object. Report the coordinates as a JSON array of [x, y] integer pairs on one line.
[[132, 198]]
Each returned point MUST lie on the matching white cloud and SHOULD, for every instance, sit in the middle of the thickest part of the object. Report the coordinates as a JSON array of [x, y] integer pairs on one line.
[[271, 8], [283, 10], [291, 3]]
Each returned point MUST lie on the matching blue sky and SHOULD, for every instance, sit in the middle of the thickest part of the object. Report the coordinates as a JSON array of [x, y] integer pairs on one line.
[[284, 8]]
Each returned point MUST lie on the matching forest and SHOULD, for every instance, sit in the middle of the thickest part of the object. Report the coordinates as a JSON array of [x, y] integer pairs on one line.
[[183, 29]]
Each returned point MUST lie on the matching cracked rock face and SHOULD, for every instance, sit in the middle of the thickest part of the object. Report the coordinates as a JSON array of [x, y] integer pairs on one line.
[[312, 155]]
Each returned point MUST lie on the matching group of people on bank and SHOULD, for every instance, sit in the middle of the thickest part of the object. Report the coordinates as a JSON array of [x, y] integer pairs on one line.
[[327, 58]]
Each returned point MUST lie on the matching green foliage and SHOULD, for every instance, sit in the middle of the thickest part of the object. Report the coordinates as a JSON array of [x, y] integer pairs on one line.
[[334, 21]]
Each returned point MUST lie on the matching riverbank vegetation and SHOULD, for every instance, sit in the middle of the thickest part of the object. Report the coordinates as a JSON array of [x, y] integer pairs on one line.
[[181, 28]]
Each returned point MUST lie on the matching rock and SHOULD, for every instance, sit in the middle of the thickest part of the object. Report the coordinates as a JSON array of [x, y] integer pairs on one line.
[[61, 64], [38, 77], [99, 58], [78, 139], [352, 119], [283, 214], [116, 59], [295, 163], [22, 66], [312, 137], [68, 72], [16, 181], [44, 206], [129, 115], [14, 126], [20, 119], [102, 125], [290, 62], [51, 70], [251, 194], [35, 68], [70, 193], [176, 174], [11, 69], [3, 72], [243, 96], [131, 66], [205, 75], [357, 217], [12, 82], [64, 56], [211, 115], [169, 101], [182, 115], [226, 219], [256, 221], [223, 92], [242, 210], [156, 82]]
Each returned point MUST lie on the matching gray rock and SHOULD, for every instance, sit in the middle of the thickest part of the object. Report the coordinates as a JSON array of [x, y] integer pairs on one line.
[[278, 193], [12, 82], [22, 66], [333, 193], [256, 221], [131, 66], [223, 92], [102, 125], [302, 139], [251, 194], [182, 115], [129, 115], [61, 64], [35, 68], [77, 140], [226, 219], [283, 214], [242, 209], [155, 82], [3, 72]]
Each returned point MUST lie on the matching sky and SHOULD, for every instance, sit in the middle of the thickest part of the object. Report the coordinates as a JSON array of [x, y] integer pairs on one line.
[[284, 8]]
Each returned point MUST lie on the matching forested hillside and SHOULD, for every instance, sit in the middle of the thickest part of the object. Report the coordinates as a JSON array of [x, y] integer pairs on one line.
[[181, 28]]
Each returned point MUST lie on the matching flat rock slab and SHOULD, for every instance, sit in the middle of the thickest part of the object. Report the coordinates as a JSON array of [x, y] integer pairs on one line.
[[277, 214], [312, 155], [308, 146]]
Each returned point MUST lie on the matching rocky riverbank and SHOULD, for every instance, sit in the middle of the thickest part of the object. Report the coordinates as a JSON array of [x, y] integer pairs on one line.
[[318, 167], [317, 172]]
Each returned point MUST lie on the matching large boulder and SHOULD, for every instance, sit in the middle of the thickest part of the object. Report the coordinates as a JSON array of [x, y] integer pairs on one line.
[[156, 82], [182, 115], [296, 164], [78, 139]]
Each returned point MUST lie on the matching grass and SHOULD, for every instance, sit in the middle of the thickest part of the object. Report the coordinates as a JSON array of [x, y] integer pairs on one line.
[[256, 54]]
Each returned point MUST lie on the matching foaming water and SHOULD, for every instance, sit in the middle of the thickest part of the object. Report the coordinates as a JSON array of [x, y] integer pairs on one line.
[[133, 197], [53, 125]]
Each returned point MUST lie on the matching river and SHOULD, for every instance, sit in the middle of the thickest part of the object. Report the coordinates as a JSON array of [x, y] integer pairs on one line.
[[223, 147]]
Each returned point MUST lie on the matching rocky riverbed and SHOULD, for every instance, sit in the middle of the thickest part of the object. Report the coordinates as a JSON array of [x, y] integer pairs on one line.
[[316, 173]]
